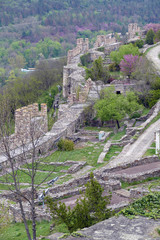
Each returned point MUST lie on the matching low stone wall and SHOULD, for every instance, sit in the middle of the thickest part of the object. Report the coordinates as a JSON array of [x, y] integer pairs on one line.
[[107, 185], [81, 181], [138, 162], [140, 192], [132, 177]]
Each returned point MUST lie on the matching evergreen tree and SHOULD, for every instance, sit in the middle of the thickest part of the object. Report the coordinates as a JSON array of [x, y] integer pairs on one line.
[[150, 37]]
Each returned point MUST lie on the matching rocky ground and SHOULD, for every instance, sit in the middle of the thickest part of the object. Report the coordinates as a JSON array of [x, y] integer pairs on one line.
[[118, 228]]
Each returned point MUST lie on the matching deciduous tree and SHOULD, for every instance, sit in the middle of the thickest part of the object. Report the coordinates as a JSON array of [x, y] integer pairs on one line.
[[114, 106]]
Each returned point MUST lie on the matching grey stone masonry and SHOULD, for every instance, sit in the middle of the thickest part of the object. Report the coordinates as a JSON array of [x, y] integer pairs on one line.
[[120, 228]]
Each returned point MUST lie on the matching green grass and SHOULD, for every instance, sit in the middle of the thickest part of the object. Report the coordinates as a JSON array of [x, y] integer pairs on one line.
[[106, 129], [126, 184], [153, 121], [112, 152], [8, 187], [158, 231], [153, 144], [24, 178], [44, 167], [64, 179], [82, 154], [145, 111], [149, 152], [119, 135], [17, 231]]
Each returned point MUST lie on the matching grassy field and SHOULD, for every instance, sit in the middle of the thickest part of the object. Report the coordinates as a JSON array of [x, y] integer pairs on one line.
[[45, 167], [16, 231], [150, 180], [114, 151], [25, 178], [119, 135], [89, 154]]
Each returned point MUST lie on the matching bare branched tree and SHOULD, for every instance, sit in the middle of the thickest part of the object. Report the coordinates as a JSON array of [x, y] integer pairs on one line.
[[15, 157]]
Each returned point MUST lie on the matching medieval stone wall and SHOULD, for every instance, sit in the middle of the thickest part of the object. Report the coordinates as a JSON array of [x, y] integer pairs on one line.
[[30, 123], [82, 47], [133, 30], [104, 40]]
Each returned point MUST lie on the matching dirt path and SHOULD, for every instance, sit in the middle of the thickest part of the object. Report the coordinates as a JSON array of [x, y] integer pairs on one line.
[[153, 56]]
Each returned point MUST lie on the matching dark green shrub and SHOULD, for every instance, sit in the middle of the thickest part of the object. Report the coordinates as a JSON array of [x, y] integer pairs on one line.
[[65, 145], [86, 59], [139, 43], [114, 67], [135, 115], [100, 49], [88, 211], [150, 37]]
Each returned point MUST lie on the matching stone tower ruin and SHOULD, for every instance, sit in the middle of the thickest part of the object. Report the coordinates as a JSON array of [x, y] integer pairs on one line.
[[133, 30], [30, 121]]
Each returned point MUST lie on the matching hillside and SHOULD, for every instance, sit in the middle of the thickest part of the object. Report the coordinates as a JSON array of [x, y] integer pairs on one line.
[[25, 26]]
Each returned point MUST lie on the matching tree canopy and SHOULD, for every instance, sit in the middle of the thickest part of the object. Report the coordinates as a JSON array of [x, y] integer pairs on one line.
[[114, 106], [118, 55]]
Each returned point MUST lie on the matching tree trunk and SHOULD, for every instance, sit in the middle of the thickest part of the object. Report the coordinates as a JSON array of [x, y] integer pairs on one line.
[[118, 124], [24, 220]]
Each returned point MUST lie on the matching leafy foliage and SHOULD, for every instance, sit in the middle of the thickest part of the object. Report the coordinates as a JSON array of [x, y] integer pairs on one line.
[[147, 206], [65, 145], [114, 106], [88, 210], [128, 49], [98, 71], [150, 37], [86, 59], [128, 64]]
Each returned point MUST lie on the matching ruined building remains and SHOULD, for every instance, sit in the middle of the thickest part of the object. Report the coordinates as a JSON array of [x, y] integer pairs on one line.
[[31, 120], [104, 40], [134, 31], [81, 48], [30, 124]]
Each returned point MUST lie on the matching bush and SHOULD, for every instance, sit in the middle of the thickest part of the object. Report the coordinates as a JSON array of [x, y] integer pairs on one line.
[[65, 145], [88, 211], [100, 49], [135, 115], [86, 59], [139, 43], [114, 67]]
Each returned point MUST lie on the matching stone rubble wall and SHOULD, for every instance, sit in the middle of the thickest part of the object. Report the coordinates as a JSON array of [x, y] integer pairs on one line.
[[30, 123], [133, 30], [131, 177], [81, 181], [104, 40], [138, 162], [82, 47]]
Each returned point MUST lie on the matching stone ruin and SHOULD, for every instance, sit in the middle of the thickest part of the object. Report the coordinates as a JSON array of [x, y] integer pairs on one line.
[[30, 123], [81, 95], [31, 118], [134, 31], [104, 40], [108, 41], [81, 48]]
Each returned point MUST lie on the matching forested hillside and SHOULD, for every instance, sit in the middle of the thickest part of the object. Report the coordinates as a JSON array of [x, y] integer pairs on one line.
[[31, 30], [80, 12]]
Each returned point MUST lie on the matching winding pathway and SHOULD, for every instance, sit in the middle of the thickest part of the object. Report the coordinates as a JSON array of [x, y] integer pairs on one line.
[[153, 56]]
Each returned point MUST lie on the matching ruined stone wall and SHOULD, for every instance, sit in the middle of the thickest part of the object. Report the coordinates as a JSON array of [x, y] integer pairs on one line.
[[133, 30], [104, 40], [82, 93], [30, 120], [82, 47], [30, 123]]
